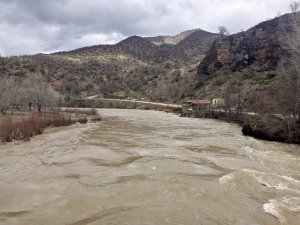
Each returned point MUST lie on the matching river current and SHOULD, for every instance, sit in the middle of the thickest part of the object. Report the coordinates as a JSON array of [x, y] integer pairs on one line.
[[146, 167]]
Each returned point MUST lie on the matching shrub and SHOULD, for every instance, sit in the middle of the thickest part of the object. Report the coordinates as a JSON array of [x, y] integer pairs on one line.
[[27, 126], [6, 129], [12, 128]]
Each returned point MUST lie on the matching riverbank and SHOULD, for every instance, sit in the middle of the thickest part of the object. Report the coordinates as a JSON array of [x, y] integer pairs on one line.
[[124, 104], [264, 127], [271, 128], [26, 124]]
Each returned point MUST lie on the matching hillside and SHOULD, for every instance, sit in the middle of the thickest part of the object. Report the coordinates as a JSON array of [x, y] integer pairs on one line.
[[171, 40], [187, 46], [250, 59], [192, 64], [134, 67]]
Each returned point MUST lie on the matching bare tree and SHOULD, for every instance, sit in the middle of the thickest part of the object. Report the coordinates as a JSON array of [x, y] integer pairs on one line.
[[228, 96], [294, 6], [41, 94], [26, 93], [287, 88], [223, 31], [15, 93], [287, 100], [8, 94]]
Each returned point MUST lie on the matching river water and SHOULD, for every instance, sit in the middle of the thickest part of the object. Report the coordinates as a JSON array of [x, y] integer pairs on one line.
[[145, 167]]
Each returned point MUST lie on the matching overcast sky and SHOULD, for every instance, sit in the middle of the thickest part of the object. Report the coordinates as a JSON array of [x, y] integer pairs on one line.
[[34, 26]]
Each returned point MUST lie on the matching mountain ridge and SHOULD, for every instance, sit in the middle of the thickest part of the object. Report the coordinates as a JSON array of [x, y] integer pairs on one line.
[[133, 67], [199, 64], [171, 39], [145, 49], [248, 60], [260, 47]]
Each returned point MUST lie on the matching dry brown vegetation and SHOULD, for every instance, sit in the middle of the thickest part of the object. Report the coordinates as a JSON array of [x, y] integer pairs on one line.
[[31, 93], [26, 126]]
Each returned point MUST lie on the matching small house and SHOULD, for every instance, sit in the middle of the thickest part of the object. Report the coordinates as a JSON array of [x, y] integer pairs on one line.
[[201, 105], [218, 102]]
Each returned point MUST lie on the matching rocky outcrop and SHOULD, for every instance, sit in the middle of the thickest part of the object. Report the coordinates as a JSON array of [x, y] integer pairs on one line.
[[271, 128], [259, 49]]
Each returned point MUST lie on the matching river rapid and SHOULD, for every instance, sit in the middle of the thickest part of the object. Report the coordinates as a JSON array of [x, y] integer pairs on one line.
[[146, 167]]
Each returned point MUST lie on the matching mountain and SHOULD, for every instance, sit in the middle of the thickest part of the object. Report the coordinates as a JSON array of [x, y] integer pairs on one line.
[[138, 47], [250, 58], [160, 68], [260, 48], [171, 40], [187, 46], [194, 63], [195, 45], [134, 46]]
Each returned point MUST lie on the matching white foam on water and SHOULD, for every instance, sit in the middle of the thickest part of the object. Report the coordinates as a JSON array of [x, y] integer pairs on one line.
[[276, 181], [254, 153], [278, 156], [226, 178], [272, 208], [286, 203], [291, 203], [251, 150], [270, 180]]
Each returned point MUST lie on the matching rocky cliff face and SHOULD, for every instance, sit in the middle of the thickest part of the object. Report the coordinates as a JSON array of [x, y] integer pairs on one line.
[[260, 49]]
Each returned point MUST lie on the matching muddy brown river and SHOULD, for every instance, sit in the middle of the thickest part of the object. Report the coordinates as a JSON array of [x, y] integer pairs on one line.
[[145, 167]]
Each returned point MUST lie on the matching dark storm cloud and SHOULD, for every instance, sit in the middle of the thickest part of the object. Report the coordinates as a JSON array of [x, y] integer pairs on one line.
[[32, 26]]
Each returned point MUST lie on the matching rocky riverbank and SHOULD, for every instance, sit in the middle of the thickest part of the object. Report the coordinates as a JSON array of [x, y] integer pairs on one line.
[[272, 128], [264, 127]]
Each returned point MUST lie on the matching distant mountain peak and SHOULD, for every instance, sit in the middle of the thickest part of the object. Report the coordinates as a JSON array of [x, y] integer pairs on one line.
[[134, 40], [171, 40]]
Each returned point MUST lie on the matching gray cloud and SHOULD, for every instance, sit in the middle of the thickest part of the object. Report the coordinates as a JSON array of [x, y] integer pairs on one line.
[[33, 26]]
